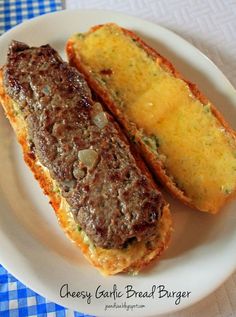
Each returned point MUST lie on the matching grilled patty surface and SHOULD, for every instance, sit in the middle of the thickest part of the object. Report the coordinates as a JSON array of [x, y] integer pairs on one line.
[[112, 196]]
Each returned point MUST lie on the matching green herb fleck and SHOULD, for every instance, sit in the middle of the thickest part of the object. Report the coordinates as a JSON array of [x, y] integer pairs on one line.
[[226, 190], [79, 228], [152, 141], [207, 108], [57, 190], [80, 35], [101, 80]]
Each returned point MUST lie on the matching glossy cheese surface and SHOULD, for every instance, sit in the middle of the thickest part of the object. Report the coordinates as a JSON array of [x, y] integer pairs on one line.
[[196, 150]]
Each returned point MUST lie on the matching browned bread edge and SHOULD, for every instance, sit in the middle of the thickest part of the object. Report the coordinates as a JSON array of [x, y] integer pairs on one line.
[[151, 159], [46, 184]]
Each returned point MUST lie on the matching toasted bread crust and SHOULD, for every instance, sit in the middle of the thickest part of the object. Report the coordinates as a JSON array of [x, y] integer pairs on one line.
[[151, 159], [106, 265]]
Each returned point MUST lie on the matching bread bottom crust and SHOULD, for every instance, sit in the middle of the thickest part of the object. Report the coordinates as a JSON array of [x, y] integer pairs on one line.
[[108, 261]]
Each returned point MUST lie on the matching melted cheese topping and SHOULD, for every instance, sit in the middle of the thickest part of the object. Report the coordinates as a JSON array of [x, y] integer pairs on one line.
[[113, 261], [198, 152]]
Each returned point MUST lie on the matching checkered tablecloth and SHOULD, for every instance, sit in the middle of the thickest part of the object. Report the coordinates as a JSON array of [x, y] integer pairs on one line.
[[13, 12], [16, 299]]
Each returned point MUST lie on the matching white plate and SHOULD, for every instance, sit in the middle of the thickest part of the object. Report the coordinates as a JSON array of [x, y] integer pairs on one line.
[[33, 248]]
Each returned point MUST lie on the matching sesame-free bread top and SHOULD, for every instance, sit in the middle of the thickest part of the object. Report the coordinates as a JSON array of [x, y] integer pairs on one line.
[[184, 139]]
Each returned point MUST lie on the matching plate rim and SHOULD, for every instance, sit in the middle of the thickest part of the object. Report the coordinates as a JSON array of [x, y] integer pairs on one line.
[[27, 23]]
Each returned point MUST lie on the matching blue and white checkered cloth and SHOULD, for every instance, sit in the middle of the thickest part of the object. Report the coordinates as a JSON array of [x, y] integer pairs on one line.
[[13, 12], [17, 300]]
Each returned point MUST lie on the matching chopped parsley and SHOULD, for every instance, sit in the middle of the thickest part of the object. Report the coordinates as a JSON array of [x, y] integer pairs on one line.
[[207, 108], [152, 141], [80, 35], [226, 190]]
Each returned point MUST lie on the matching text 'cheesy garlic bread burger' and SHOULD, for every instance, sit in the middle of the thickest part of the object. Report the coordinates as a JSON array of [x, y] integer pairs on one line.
[[103, 195], [183, 138]]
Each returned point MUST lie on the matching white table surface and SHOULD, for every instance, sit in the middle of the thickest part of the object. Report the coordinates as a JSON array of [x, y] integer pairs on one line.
[[210, 25]]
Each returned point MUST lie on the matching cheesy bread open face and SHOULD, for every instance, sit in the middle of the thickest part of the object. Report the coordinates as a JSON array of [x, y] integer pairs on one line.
[[103, 195], [184, 139]]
